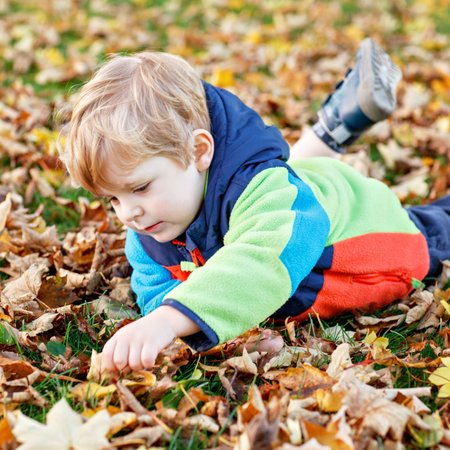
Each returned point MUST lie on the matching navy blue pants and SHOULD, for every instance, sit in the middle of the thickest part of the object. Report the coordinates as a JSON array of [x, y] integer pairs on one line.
[[433, 221]]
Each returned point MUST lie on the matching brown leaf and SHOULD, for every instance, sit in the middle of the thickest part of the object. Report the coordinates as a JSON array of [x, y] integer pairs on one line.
[[42, 324], [120, 421], [340, 360], [304, 379], [190, 401], [423, 300], [20, 264], [144, 436], [377, 415], [202, 422], [5, 209], [18, 293], [53, 293], [47, 241], [128, 399], [15, 369], [262, 429], [244, 363]]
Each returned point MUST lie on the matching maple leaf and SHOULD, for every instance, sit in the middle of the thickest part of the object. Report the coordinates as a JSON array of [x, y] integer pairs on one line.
[[64, 430], [441, 377]]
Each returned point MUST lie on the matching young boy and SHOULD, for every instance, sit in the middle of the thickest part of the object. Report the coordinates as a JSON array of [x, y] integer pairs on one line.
[[222, 232]]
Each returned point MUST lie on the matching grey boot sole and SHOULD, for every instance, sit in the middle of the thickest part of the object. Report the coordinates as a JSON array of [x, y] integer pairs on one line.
[[378, 77]]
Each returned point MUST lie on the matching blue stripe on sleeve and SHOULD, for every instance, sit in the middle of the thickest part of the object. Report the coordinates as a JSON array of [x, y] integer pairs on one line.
[[309, 233]]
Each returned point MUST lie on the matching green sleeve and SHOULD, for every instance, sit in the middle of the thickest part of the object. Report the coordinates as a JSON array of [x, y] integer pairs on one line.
[[263, 260]]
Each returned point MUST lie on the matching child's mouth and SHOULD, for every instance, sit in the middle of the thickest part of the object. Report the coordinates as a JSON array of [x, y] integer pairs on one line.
[[153, 228]]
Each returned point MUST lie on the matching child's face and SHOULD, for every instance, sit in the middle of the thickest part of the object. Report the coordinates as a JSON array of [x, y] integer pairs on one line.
[[159, 197]]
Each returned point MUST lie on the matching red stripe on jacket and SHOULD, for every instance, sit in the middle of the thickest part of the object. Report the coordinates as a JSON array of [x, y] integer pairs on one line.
[[369, 272]]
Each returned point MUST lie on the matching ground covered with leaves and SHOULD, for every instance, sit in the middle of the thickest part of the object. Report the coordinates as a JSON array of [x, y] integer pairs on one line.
[[359, 382]]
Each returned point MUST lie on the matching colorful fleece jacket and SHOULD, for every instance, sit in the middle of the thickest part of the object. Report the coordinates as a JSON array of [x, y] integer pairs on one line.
[[275, 239]]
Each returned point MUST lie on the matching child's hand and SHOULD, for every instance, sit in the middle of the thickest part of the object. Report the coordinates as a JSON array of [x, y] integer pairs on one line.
[[137, 345]]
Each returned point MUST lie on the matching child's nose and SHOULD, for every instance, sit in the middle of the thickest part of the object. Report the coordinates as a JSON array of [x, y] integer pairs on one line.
[[134, 212]]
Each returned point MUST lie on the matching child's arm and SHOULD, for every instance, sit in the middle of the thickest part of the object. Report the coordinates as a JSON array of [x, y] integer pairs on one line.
[[137, 345], [151, 282]]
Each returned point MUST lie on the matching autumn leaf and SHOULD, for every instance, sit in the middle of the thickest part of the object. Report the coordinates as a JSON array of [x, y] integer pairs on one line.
[[64, 430], [21, 292], [5, 209], [441, 377], [378, 345]]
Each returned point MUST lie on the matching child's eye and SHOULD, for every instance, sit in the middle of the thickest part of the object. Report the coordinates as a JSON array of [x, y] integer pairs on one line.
[[142, 188]]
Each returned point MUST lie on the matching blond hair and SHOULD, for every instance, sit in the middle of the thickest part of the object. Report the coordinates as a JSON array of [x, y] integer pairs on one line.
[[135, 107]]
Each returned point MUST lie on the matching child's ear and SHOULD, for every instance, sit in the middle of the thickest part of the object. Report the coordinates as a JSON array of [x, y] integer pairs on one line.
[[204, 149]]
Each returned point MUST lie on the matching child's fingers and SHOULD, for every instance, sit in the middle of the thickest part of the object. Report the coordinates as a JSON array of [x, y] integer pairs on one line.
[[120, 357], [134, 357], [148, 356], [107, 355]]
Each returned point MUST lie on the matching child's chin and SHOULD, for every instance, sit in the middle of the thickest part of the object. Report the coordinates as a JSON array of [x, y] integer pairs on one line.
[[164, 238]]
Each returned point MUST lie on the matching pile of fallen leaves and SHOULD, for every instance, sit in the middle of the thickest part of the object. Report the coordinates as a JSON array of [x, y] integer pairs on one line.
[[359, 382]]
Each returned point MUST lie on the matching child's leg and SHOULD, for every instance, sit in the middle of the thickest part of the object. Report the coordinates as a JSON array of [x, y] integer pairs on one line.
[[433, 221], [364, 97], [311, 145]]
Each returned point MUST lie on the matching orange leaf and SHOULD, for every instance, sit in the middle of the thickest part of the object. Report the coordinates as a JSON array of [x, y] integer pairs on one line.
[[7, 438], [326, 435]]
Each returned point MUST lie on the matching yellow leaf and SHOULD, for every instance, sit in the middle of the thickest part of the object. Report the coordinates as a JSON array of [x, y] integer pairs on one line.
[[440, 88], [446, 306], [280, 46], [428, 161], [443, 124], [141, 378], [236, 4], [377, 342], [444, 391], [258, 80], [223, 78], [329, 401], [90, 390], [54, 176], [432, 436], [254, 37], [355, 33], [53, 56], [38, 225], [440, 376], [370, 338], [378, 345]]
